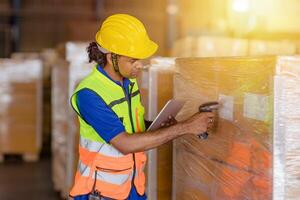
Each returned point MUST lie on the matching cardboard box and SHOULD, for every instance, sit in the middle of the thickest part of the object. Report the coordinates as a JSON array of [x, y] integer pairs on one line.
[[73, 51], [48, 58], [217, 46], [210, 46], [65, 128], [156, 86], [21, 107], [252, 151], [264, 47]]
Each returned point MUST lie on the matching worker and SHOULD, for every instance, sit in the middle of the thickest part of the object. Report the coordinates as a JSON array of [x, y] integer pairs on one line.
[[112, 127]]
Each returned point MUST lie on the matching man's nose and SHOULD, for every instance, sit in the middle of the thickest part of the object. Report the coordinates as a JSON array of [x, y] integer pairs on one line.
[[138, 65]]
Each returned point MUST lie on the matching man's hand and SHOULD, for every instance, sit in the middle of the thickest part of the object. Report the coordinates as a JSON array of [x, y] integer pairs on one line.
[[130, 143], [199, 123]]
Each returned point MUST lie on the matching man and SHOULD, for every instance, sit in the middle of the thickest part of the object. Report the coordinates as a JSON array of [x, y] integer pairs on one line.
[[111, 116]]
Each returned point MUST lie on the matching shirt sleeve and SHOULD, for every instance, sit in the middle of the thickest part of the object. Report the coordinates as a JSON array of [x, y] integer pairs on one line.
[[97, 114]]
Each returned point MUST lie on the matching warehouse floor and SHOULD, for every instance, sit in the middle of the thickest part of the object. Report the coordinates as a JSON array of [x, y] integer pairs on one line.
[[23, 180]]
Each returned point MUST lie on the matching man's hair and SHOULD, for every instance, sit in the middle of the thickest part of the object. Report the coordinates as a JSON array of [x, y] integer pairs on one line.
[[96, 55]]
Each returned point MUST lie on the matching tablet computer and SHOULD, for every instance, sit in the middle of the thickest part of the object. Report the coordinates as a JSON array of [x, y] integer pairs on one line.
[[171, 108]]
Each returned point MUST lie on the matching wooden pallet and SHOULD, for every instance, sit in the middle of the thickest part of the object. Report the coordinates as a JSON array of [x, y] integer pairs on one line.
[[26, 157]]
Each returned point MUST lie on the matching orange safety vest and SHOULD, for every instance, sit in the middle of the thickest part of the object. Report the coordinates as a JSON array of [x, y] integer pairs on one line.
[[102, 167]]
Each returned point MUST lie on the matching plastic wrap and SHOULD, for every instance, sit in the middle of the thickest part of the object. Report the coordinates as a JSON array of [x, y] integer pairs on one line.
[[286, 130], [206, 46], [48, 58], [73, 51], [65, 128], [210, 46], [76, 51], [264, 47], [67, 72], [216, 46], [183, 47], [21, 104], [156, 86], [236, 161]]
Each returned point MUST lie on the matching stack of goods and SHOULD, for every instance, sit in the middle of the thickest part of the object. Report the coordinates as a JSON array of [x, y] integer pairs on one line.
[[253, 150], [48, 57], [216, 46], [183, 47], [262, 47], [21, 108], [156, 87], [67, 72], [210, 46], [206, 46]]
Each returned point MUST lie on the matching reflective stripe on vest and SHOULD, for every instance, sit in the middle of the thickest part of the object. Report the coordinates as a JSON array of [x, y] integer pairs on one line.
[[99, 147], [118, 101], [117, 179]]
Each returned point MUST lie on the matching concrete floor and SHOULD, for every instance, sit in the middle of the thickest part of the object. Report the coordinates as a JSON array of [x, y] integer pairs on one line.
[[21, 181]]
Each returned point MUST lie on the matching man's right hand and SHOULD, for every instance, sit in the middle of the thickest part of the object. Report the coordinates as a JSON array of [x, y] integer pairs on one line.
[[130, 143], [199, 123]]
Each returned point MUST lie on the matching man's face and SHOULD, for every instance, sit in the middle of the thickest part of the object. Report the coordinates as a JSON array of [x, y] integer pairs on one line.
[[129, 67]]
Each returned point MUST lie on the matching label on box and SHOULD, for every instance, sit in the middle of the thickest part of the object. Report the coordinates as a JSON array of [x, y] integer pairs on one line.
[[226, 108], [256, 106]]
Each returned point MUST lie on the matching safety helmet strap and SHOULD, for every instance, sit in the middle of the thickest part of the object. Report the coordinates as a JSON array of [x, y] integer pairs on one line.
[[114, 58]]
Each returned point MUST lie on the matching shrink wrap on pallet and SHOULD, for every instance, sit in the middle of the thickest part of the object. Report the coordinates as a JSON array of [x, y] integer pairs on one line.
[[253, 150]]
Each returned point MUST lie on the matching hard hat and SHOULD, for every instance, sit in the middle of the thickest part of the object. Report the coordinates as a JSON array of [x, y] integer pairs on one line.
[[125, 35]]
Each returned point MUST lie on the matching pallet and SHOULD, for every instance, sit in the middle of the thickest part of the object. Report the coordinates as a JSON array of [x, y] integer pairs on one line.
[[30, 157], [26, 157]]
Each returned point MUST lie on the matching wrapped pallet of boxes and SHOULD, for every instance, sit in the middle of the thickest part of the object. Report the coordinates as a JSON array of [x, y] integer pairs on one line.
[[48, 58], [210, 46], [183, 47], [65, 128], [253, 151], [156, 86], [213, 46], [21, 108], [265, 47], [73, 51]]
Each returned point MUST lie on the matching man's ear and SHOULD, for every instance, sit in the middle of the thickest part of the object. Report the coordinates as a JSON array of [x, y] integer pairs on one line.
[[109, 58]]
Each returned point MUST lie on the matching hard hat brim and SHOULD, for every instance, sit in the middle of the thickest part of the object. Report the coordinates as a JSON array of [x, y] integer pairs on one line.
[[149, 50]]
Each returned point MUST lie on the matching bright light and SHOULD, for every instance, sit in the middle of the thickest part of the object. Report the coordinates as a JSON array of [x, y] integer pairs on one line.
[[240, 5]]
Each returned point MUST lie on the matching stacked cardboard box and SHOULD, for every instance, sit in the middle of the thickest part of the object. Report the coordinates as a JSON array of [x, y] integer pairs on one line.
[[156, 86], [216, 46], [210, 46], [253, 150], [206, 46], [262, 47], [21, 107], [183, 47], [66, 74], [48, 58]]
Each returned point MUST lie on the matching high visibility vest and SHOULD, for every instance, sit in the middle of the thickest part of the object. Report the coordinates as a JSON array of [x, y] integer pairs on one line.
[[101, 166]]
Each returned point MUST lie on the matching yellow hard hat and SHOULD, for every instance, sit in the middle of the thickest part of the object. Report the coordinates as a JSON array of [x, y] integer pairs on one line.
[[125, 35]]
